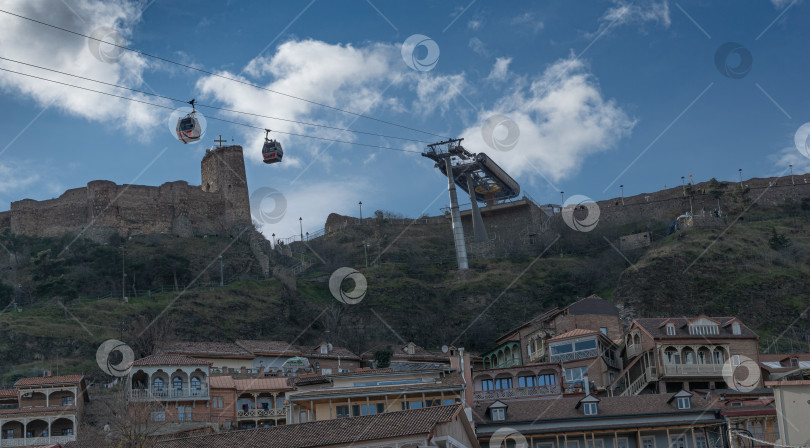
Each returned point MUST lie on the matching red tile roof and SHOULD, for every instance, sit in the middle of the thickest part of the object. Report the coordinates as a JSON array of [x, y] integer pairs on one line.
[[255, 384], [207, 349], [655, 326], [269, 347], [452, 381], [48, 380], [329, 432], [222, 382], [574, 333], [169, 360], [8, 393], [335, 353]]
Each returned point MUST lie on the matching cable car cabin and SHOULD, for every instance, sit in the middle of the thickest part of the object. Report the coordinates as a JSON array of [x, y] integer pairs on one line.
[[189, 129], [272, 152]]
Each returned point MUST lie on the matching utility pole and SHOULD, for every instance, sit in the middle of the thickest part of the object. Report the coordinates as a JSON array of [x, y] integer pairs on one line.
[[622, 188], [740, 171], [221, 272], [301, 223], [361, 212], [683, 185], [791, 174]]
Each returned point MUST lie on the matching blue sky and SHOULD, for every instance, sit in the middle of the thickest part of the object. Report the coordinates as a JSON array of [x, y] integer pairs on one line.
[[603, 93]]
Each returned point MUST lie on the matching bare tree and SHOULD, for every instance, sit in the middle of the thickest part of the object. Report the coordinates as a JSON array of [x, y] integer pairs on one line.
[[147, 333], [111, 421]]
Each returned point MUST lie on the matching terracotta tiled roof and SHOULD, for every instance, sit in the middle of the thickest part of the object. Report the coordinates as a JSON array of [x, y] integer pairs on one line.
[[42, 410], [169, 360], [8, 393], [400, 353], [780, 362], [307, 379], [222, 382], [271, 383], [206, 349], [452, 381], [574, 333], [337, 352], [655, 326], [48, 380], [329, 432], [565, 408], [269, 347]]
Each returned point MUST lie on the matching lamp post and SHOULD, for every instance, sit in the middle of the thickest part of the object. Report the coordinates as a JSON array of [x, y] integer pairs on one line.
[[361, 212], [791, 175], [562, 198], [683, 185], [740, 171], [621, 187], [274, 241], [301, 223], [221, 272], [307, 236]]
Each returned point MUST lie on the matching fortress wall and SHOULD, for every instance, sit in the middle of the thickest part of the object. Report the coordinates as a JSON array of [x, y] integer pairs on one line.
[[5, 220]]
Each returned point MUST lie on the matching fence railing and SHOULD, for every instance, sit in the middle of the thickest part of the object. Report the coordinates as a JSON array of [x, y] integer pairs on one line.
[[517, 392]]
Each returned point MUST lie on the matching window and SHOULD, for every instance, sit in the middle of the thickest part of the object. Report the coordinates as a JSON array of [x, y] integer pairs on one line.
[[735, 328], [648, 442], [158, 416], [67, 431], [589, 408], [503, 383], [380, 408], [486, 385], [735, 360], [670, 329], [177, 385], [526, 381], [710, 329], [498, 414], [324, 349], [575, 375], [8, 434], [735, 403], [700, 441], [794, 362], [342, 411], [196, 385], [355, 410], [216, 402], [677, 442], [544, 445], [622, 442], [546, 380], [684, 402], [603, 330], [450, 401], [368, 409], [598, 443], [718, 356], [572, 444], [672, 356], [302, 417], [183, 414], [157, 385], [326, 371], [67, 401]]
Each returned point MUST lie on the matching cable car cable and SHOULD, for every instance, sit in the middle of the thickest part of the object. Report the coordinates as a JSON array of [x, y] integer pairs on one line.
[[210, 117], [211, 106], [221, 76]]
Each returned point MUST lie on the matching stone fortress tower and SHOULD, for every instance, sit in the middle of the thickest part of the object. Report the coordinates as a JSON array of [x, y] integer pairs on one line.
[[220, 206]]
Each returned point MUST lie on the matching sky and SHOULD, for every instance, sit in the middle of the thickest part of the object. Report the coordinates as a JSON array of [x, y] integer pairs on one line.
[[579, 97]]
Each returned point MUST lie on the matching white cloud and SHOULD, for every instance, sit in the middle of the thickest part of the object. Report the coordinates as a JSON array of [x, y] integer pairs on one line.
[[474, 24], [789, 156], [478, 46], [562, 117], [357, 78], [500, 70], [528, 19], [36, 44], [624, 12], [13, 178]]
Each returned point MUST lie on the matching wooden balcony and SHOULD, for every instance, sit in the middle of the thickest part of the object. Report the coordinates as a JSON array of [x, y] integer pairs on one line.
[[167, 394], [693, 370], [259, 413], [34, 441], [633, 350], [573, 356], [517, 392]]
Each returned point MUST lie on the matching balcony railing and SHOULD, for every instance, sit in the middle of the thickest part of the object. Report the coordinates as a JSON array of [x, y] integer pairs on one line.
[[517, 392], [508, 363], [693, 369], [253, 413], [565, 357], [37, 441], [633, 350], [168, 394]]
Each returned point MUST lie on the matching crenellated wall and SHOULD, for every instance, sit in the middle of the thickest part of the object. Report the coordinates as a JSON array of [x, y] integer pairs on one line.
[[103, 208]]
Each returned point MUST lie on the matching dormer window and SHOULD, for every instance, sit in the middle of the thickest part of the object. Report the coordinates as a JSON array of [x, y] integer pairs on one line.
[[590, 405], [735, 328], [324, 349], [670, 329], [703, 326], [497, 411], [684, 403], [794, 362]]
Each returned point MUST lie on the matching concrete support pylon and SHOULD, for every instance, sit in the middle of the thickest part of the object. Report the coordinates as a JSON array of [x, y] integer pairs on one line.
[[479, 231], [455, 217]]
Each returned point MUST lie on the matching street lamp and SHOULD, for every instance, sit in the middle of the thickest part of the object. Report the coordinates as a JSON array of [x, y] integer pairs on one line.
[[361, 212], [562, 198], [301, 223], [791, 174], [740, 170], [307, 236], [683, 185], [622, 188]]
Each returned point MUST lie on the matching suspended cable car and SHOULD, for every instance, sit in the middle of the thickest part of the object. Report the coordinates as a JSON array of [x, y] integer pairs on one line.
[[188, 127], [271, 151]]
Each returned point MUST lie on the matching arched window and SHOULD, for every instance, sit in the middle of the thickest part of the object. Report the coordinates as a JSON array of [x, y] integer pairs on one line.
[[177, 383], [157, 384], [196, 385]]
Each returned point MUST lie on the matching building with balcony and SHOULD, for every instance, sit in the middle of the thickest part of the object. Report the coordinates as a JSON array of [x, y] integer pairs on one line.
[[248, 403], [410, 356], [669, 354], [591, 313], [776, 366], [225, 357], [270, 355], [42, 410], [750, 416], [680, 420], [587, 356], [370, 392], [534, 381], [179, 383]]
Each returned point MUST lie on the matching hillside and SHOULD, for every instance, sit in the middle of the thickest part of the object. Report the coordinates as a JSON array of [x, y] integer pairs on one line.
[[70, 298]]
